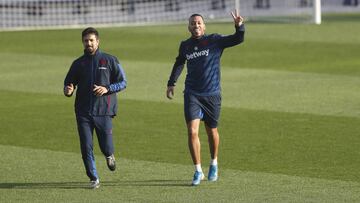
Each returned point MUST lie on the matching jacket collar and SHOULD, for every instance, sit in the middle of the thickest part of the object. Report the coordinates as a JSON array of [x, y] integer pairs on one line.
[[198, 39], [97, 52]]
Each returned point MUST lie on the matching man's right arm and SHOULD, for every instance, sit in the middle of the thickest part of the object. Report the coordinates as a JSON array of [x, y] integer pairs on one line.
[[70, 82], [175, 73]]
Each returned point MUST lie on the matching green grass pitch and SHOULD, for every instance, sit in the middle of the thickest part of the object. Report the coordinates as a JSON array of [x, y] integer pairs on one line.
[[289, 126]]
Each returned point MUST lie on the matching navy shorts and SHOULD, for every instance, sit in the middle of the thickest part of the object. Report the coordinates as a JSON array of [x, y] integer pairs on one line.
[[206, 108]]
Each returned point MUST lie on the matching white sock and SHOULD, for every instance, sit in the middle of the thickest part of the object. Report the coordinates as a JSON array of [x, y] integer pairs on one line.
[[198, 167], [213, 161]]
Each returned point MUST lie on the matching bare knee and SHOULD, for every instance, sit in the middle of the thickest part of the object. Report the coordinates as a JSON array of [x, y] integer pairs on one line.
[[193, 129], [211, 132], [193, 133]]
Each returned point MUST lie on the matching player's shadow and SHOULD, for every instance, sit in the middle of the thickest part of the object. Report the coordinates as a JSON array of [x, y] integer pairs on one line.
[[84, 185], [47, 185], [156, 182]]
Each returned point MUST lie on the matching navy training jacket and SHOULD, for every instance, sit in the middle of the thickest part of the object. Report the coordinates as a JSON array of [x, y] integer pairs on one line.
[[99, 69]]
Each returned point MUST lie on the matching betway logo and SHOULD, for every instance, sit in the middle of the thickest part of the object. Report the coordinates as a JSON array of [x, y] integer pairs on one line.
[[197, 54]]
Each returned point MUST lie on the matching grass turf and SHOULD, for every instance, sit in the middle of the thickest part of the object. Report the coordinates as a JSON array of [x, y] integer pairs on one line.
[[289, 122], [57, 177]]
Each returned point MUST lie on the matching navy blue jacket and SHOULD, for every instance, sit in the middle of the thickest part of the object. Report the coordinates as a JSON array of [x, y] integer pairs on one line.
[[99, 69], [203, 62]]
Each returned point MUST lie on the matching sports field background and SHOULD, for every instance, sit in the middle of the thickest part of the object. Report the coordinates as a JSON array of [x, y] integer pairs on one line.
[[289, 126]]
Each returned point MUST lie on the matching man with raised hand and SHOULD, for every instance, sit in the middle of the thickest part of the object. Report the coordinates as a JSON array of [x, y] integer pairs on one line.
[[202, 94], [97, 76]]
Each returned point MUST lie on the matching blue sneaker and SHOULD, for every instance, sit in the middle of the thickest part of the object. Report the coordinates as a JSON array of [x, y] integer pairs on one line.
[[213, 173], [198, 177]]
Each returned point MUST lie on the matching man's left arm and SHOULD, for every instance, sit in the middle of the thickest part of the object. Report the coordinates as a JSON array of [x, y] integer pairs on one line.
[[238, 36], [118, 79]]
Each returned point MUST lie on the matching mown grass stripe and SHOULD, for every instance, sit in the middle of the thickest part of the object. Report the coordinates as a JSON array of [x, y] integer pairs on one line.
[[44, 175], [283, 91]]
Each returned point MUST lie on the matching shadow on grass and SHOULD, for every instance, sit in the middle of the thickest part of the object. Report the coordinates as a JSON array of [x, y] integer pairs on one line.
[[84, 185]]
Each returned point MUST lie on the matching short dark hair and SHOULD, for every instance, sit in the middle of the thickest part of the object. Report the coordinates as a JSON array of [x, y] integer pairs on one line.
[[89, 30], [196, 14]]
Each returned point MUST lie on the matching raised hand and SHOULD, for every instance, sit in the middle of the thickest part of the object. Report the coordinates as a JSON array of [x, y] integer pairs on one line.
[[238, 19]]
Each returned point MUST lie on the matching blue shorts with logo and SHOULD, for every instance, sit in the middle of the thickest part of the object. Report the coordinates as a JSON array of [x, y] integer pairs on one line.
[[206, 108]]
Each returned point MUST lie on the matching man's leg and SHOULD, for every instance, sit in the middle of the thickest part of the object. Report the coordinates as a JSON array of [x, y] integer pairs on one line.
[[194, 147], [194, 141], [213, 138], [193, 114], [103, 127], [85, 129], [212, 107]]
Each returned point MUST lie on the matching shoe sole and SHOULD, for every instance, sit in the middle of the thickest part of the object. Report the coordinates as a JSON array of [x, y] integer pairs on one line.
[[112, 168], [213, 179], [95, 187]]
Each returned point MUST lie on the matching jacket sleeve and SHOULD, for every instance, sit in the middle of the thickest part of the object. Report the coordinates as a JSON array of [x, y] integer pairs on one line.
[[177, 68], [234, 39], [118, 78], [71, 77]]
